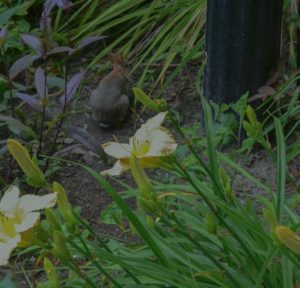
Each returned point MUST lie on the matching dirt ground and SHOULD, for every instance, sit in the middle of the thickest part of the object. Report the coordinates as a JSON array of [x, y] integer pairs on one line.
[[82, 188]]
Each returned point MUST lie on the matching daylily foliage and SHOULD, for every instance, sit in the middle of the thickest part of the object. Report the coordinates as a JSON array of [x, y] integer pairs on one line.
[[17, 215], [149, 145]]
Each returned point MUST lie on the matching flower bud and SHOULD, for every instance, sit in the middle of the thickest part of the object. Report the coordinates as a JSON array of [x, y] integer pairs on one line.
[[65, 207], [157, 105], [50, 216], [51, 273], [288, 238], [19, 152], [61, 249]]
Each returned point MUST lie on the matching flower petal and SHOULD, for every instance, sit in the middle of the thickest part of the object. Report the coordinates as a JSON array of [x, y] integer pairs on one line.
[[7, 247], [9, 200], [156, 121], [30, 202], [119, 167], [28, 222], [117, 150], [139, 143], [152, 123], [161, 143]]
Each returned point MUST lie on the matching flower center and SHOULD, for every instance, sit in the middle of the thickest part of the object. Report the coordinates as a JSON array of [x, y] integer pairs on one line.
[[141, 148], [7, 229]]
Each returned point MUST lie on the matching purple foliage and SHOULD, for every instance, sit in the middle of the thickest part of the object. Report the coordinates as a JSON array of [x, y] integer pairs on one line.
[[40, 79], [21, 64], [34, 43], [60, 49], [33, 102], [86, 41], [48, 6], [72, 87], [64, 4], [3, 33], [45, 25]]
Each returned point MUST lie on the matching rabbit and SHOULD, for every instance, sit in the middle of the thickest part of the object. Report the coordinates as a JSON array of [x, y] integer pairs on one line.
[[111, 99]]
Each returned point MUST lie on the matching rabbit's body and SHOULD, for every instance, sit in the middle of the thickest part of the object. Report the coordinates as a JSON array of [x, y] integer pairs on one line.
[[110, 100]]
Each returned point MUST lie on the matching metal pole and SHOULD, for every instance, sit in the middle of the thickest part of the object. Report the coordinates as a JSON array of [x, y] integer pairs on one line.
[[298, 45], [242, 45]]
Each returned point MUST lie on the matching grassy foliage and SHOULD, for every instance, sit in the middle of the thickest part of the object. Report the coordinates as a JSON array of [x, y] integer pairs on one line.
[[159, 32], [199, 233]]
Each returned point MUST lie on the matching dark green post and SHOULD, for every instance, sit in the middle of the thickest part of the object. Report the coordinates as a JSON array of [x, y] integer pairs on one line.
[[242, 45]]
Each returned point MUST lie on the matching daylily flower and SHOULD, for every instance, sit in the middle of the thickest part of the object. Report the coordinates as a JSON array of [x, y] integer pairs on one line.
[[17, 215], [149, 145]]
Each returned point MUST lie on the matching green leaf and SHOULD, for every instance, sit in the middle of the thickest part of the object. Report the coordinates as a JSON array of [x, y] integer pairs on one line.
[[281, 170], [7, 282], [16, 126], [247, 126], [6, 15], [112, 214], [138, 225]]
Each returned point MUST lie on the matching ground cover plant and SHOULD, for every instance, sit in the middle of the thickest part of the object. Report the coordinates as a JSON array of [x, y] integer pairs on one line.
[[195, 234], [184, 216]]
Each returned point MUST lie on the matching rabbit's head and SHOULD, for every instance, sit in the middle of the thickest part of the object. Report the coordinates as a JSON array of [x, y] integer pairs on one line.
[[120, 66]]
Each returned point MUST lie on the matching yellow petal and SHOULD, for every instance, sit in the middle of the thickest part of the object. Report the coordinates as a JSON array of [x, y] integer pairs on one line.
[[117, 150], [9, 201], [28, 222], [30, 202], [161, 143], [7, 247], [119, 167]]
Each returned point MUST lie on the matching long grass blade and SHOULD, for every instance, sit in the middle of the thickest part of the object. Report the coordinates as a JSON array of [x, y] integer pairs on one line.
[[281, 170], [131, 217]]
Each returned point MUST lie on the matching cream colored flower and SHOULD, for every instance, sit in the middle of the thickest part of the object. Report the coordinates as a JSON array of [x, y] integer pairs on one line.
[[18, 214], [149, 144]]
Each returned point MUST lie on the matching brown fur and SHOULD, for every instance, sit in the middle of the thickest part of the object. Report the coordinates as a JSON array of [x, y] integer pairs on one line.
[[110, 100]]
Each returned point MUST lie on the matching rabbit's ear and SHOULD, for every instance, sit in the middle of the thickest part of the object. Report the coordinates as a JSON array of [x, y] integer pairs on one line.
[[111, 57], [116, 59]]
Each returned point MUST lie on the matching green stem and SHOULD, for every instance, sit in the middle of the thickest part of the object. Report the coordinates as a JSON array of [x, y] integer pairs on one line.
[[88, 254], [103, 244], [10, 84], [204, 251], [219, 216]]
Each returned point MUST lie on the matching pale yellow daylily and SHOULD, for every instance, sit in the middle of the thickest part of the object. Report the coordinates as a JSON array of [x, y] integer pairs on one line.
[[17, 215], [149, 144]]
